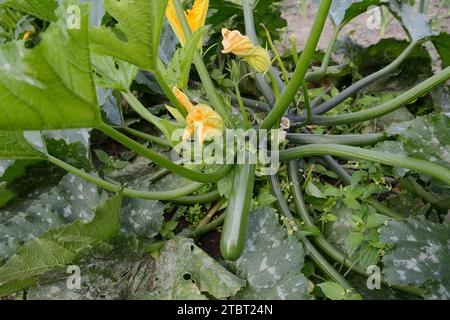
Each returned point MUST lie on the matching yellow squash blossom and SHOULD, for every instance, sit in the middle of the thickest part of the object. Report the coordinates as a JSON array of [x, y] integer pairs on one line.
[[201, 119], [195, 17], [240, 45]]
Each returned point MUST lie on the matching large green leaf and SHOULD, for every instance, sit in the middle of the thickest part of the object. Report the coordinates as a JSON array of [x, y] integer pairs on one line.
[[229, 14], [112, 73], [442, 45], [135, 37], [52, 86], [14, 145], [420, 255], [179, 67], [142, 218], [416, 24], [58, 247], [426, 137], [184, 272], [44, 9], [271, 261], [114, 271], [73, 198], [342, 11], [71, 146]]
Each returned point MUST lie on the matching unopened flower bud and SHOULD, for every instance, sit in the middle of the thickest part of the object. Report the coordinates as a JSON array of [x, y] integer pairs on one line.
[[259, 60]]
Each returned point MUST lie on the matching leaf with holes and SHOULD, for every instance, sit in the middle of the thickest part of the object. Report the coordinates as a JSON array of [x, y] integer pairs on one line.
[[184, 272]]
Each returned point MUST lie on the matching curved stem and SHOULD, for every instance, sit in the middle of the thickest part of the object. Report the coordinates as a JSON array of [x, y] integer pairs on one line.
[[163, 161], [252, 104], [348, 152], [315, 255], [147, 195], [320, 240], [147, 137], [198, 198], [163, 125], [316, 75], [359, 85], [346, 139], [387, 107], [297, 80]]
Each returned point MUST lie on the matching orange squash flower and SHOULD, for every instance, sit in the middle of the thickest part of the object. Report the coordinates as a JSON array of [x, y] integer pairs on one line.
[[240, 45], [201, 119], [195, 17]]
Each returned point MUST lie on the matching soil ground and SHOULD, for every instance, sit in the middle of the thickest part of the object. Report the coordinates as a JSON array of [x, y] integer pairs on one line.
[[299, 25]]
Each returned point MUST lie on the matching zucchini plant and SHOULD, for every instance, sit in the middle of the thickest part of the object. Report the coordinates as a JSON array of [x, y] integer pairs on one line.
[[149, 85]]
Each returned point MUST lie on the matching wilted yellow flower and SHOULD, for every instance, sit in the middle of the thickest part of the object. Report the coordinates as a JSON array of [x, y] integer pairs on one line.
[[201, 119], [195, 17], [234, 42]]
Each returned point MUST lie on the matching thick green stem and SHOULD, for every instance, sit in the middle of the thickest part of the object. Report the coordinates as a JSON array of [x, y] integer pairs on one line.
[[163, 161], [315, 255], [198, 198], [148, 195], [147, 137], [387, 107], [163, 125], [297, 80], [307, 103], [348, 152], [159, 75], [346, 139], [252, 104], [320, 240]]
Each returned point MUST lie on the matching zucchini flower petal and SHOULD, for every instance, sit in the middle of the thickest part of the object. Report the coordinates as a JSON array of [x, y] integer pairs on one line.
[[195, 17], [234, 42], [183, 99], [201, 119], [205, 122]]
